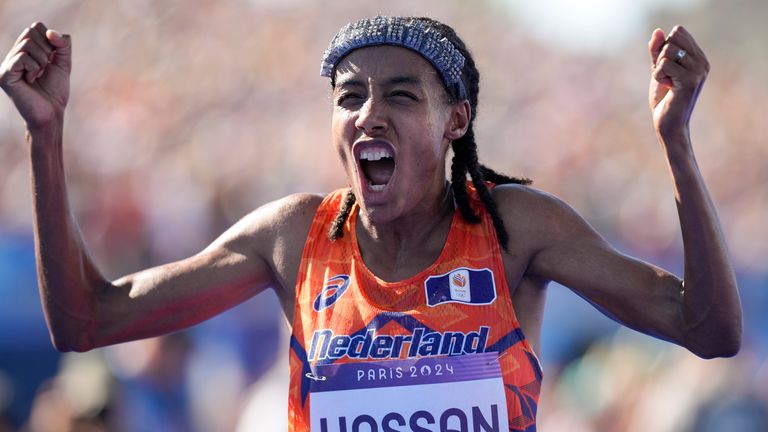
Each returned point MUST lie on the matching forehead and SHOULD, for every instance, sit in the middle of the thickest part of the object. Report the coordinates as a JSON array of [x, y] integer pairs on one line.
[[384, 62]]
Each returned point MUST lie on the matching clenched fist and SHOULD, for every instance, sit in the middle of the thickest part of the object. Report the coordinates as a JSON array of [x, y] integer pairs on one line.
[[35, 75], [679, 69]]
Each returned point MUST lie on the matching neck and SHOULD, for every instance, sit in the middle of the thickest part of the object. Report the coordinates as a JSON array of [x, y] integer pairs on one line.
[[403, 247]]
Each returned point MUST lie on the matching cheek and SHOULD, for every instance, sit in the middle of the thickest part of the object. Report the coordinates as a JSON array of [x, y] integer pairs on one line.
[[340, 131], [342, 124], [427, 159]]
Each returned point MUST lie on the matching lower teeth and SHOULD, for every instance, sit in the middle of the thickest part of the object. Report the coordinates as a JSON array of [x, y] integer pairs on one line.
[[376, 188]]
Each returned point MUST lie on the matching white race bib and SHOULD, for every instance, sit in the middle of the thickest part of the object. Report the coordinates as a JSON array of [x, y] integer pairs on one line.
[[430, 394]]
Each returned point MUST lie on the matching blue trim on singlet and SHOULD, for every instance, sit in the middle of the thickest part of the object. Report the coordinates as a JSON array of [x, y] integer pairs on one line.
[[510, 339], [527, 405], [507, 341], [535, 365], [301, 353]]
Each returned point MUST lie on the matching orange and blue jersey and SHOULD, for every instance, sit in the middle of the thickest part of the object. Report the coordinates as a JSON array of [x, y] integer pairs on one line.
[[459, 305]]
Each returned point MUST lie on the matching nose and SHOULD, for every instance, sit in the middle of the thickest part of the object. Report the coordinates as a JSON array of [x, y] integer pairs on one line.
[[371, 118]]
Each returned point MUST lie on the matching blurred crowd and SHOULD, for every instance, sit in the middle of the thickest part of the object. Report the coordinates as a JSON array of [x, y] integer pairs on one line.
[[184, 116]]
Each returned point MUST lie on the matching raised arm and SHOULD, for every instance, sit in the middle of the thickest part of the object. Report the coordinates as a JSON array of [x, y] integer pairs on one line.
[[710, 298], [702, 312], [82, 308]]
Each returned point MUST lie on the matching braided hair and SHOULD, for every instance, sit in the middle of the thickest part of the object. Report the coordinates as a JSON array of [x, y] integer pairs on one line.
[[464, 160]]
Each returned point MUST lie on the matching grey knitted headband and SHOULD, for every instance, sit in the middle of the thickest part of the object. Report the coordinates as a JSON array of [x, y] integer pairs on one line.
[[399, 31]]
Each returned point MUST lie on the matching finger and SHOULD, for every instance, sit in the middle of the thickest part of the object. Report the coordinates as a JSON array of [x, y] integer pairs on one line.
[[32, 48], [662, 78], [667, 72], [675, 53], [33, 35], [655, 45], [40, 27], [24, 34], [37, 34], [13, 69], [680, 36], [27, 66]]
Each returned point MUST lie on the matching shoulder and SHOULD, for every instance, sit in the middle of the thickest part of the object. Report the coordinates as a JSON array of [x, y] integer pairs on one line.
[[524, 194], [515, 200], [540, 217], [291, 211], [287, 217], [286, 220]]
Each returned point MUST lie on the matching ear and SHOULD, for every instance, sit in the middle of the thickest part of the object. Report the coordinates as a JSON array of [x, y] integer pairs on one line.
[[458, 123]]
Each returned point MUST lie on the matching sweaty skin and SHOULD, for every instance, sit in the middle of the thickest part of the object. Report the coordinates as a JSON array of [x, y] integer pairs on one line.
[[400, 103], [391, 99]]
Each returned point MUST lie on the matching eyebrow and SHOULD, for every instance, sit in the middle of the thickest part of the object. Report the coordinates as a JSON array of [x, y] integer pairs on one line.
[[400, 79], [407, 79]]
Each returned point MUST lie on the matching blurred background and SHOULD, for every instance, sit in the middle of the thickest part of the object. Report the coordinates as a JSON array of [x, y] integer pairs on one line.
[[184, 116]]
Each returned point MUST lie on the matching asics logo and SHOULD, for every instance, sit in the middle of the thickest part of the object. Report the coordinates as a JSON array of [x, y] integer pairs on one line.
[[334, 288]]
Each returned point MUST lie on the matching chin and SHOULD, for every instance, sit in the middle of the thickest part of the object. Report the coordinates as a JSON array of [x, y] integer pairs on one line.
[[378, 214]]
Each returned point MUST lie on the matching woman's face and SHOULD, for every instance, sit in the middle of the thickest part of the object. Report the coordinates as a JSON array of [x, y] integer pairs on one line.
[[391, 127]]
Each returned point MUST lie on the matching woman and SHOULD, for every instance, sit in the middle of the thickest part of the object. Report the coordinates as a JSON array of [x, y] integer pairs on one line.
[[415, 302]]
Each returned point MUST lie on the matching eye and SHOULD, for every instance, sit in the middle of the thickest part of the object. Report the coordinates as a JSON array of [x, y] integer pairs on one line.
[[403, 95], [348, 98]]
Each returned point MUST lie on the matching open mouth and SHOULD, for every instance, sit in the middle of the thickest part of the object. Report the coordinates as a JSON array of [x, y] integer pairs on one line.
[[377, 165]]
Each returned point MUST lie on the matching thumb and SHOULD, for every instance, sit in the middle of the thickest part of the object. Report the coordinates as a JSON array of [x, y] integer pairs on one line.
[[655, 45], [63, 45]]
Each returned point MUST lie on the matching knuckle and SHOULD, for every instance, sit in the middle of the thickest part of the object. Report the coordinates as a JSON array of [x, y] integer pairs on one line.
[[28, 61], [672, 38], [26, 34], [25, 43]]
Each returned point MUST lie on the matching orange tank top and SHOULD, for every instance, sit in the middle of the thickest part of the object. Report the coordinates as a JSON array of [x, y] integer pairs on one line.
[[463, 296]]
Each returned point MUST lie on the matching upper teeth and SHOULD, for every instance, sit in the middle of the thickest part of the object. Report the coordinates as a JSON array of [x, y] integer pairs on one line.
[[374, 155]]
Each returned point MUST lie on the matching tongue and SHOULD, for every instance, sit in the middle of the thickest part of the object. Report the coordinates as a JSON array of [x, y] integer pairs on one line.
[[379, 172]]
